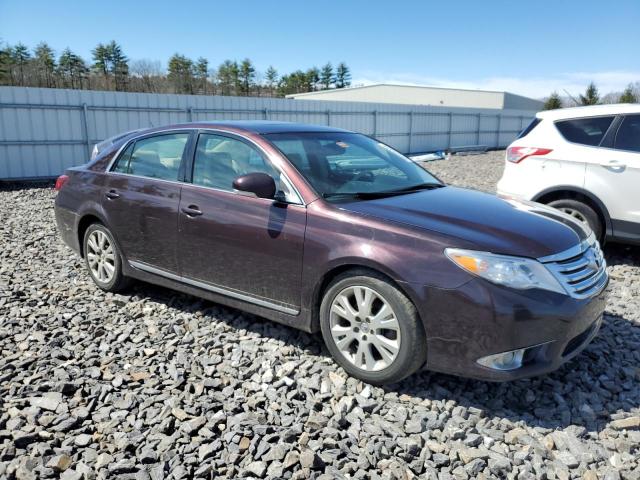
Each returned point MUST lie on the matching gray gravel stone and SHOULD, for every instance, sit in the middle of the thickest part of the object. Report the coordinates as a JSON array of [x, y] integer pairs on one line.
[[155, 384]]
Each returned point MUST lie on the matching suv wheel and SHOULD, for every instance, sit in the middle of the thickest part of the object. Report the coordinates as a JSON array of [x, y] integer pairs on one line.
[[582, 212], [103, 259], [371, 328]]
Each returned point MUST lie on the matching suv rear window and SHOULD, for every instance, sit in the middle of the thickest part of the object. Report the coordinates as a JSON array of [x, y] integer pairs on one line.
[[587, 131], [534, 123]]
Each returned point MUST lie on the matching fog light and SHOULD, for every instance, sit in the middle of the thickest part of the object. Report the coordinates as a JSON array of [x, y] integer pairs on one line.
[[504, 361]]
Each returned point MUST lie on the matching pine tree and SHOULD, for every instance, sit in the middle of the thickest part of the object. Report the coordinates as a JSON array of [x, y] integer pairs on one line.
[[72, 69], [181, 74], [202, 74], [45, 64], [5, 65], [313, 79], [326, 76], [628, 96], [20, 56], [271, 77], [553, 102], [343, 75], [119, 65], [247, 75], [591, 95]]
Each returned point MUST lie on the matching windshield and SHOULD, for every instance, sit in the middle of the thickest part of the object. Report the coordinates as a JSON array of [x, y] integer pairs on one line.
[[340, 165]]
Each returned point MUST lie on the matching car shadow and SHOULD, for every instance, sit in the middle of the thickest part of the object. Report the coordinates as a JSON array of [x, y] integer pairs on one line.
[[600, 381]]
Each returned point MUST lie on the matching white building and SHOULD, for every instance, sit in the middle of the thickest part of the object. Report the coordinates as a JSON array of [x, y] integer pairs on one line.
[[424, 95]]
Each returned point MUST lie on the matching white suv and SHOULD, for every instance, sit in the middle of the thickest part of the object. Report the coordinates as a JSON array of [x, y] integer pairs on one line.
[[584, 161]]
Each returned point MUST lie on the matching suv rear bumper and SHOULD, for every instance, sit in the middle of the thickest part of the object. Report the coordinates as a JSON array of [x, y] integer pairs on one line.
[[491, 319]]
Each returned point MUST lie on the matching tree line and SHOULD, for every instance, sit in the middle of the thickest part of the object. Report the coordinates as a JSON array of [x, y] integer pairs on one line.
[[592, 96], [111, 69]]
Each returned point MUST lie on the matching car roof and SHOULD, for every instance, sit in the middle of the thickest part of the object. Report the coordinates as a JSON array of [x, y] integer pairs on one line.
[[256, 126], [590, 111]]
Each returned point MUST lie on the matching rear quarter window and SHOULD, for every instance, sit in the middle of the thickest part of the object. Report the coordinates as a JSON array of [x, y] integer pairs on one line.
[[534, 123], [585, 131]]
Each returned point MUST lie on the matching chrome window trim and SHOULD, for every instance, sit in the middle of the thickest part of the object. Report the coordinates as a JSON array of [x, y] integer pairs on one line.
[[109, 169], [214, 288]]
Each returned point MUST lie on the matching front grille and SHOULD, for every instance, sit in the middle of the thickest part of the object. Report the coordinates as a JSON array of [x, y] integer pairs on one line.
[[581, 270]]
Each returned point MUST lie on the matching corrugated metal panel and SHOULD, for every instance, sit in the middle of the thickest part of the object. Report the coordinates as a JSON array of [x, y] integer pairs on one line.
[[44, 131]]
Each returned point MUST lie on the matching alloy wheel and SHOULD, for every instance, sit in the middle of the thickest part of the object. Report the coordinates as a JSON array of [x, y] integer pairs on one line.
[[575, 214], [365, 328], [101, 256]]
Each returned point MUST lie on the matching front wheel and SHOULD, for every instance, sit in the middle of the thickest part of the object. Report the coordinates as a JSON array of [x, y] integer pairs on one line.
[[103, 259], [371, 328], [581, 212]]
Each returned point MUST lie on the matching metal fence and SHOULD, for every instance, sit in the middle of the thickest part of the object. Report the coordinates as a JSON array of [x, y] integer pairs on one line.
[[44, 131]]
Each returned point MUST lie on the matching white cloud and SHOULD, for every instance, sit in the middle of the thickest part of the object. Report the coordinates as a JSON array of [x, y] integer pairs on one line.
[[535, 87]]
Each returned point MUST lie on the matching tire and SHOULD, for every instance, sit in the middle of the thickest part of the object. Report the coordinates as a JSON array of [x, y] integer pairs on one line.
[[364, 351], [100, 248], [583, 212]]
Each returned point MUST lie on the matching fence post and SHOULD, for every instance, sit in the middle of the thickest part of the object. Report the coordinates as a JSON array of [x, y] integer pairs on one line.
[[328, 112], [411, 131], [478, 130], [265, 114], [190, 114], [499, 130], [450, 130], [85, 128], [375, 123]]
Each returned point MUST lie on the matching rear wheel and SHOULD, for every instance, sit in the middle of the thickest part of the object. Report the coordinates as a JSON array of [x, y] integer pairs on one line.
[[103, 259], [371, 328], [581, 212]]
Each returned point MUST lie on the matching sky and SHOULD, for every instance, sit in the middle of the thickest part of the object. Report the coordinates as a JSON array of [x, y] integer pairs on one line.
[[525, 47]]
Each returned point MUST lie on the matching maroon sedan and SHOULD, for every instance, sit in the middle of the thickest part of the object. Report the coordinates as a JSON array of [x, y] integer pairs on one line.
[[323, 229]]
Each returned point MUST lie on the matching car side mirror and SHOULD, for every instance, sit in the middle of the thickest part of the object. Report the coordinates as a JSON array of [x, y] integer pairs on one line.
[[258, 183]]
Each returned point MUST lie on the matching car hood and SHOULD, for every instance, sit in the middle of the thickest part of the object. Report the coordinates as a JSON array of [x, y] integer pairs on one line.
[[491, 223]]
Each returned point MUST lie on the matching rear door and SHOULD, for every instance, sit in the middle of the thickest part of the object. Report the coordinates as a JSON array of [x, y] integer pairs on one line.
[[615, 177], [142, 196], [241, 246]]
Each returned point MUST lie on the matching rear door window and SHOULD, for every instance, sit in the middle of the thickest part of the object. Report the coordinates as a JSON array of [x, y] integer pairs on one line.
[[154, 157], [586, 131], [628, 136]]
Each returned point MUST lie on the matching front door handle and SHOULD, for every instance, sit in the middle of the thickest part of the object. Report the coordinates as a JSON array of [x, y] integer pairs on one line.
[[191, 211], [112, 195], [612, 164]]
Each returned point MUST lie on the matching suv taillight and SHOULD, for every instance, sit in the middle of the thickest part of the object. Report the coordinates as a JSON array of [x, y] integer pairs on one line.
[[60, 181], [517, 154]]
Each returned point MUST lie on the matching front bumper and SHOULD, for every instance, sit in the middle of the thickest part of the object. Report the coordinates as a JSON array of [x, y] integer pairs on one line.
[[480, 319]]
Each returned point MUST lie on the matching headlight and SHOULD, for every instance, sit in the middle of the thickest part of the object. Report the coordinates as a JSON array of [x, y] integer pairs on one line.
[[514, 272]]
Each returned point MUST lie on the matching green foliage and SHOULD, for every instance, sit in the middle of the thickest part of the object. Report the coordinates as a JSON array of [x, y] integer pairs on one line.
[[628, 96], [553, 102], [181, 74], [326, 76], [72, 69], [343, 75], [591, 95], [247, 76], [110, 69]]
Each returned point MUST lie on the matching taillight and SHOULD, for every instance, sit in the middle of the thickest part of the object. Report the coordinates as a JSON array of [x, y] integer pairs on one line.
[[60, 181], [517, 154]]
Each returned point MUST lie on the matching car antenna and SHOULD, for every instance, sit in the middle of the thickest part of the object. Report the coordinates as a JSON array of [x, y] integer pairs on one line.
[[571, 97]]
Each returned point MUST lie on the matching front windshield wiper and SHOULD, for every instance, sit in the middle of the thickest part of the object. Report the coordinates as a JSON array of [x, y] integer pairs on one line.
[[384, 193]]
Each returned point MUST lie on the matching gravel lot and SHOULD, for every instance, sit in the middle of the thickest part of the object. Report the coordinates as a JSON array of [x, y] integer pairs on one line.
[[156, 384]]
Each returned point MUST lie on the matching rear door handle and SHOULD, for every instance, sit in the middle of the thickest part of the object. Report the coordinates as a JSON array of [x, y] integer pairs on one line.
[[191, 211], [112, 195]]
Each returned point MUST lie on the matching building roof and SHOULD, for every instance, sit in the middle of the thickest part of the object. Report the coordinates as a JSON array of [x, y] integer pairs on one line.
[[399, 85]]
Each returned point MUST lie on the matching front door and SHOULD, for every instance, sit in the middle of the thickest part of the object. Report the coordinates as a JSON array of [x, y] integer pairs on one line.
[[615, 178], [141, 199], [242, 246]]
